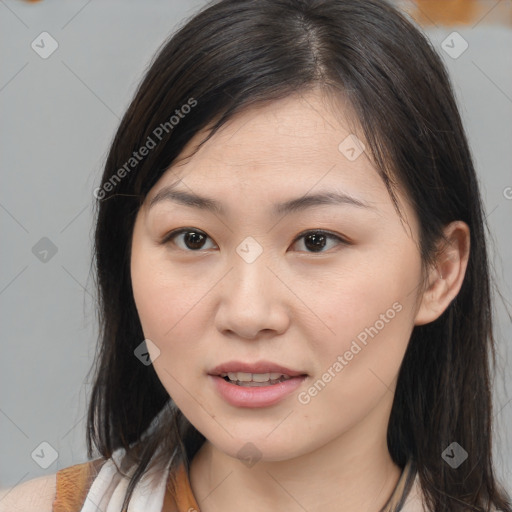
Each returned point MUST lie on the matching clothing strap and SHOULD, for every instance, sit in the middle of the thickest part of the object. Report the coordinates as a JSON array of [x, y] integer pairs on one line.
[[179, 496], [73, 484]]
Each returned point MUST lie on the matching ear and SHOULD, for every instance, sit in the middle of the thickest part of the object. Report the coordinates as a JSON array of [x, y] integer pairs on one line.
[[446, 277]]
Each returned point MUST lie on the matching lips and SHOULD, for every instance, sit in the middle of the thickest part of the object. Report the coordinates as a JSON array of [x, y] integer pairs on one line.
[[255, 385], [259, 367]]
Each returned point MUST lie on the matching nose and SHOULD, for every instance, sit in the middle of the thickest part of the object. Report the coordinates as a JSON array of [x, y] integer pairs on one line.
[[252, 301]]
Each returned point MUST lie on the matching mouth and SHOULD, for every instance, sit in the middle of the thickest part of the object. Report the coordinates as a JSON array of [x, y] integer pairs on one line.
[[254, 374], [258, 384], [253, 380]]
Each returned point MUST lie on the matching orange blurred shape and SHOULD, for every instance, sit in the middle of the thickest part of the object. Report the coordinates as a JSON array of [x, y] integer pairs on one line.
[[462, 12], [446, 12]]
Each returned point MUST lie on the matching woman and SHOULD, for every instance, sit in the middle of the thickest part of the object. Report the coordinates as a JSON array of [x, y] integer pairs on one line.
[[293, 276]]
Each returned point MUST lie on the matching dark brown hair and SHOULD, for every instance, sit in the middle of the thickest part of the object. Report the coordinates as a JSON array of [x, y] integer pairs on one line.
[[234, 54]]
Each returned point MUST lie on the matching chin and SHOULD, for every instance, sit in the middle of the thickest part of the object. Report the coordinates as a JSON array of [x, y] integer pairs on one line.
[[252, 448]]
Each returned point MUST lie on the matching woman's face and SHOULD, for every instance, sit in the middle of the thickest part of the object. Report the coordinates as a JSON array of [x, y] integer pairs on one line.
[[254, 288]]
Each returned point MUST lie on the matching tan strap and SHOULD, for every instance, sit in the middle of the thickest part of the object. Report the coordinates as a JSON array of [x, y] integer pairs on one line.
[[179, 496], [73, 484]]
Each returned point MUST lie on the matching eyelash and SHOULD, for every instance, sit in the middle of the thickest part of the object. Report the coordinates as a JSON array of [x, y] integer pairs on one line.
[[173, 234]]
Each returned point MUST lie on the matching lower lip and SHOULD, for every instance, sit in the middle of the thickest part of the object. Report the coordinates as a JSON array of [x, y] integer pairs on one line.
[[260, 396]]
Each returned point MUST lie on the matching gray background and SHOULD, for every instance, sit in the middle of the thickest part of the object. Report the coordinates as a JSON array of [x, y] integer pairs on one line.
[[58, 117]]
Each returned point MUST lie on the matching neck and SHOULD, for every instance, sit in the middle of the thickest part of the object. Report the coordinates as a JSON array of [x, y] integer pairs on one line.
[[354, 472]]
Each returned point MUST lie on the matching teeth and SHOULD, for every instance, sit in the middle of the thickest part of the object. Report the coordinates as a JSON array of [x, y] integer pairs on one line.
[[261, 377], [255, 377], [253, 384]]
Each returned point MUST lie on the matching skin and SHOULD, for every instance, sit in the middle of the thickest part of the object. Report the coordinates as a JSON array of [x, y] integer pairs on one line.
[[292, 306]]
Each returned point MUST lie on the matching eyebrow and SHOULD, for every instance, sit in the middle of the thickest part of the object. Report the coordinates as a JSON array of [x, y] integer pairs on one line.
[[194, 200]]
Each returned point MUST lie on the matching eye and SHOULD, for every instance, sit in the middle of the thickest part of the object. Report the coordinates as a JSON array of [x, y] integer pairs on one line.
[[316, 240], [192, 239]]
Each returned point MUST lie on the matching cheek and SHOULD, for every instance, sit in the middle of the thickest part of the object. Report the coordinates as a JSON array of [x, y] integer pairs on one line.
[[163, 306], [358, 365], [365, 300], [370, 314], [168, 319], [161, 298], [367, 347]]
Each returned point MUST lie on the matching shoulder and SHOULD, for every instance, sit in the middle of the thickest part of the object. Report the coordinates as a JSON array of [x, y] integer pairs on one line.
[[64, 491], [36, 495]]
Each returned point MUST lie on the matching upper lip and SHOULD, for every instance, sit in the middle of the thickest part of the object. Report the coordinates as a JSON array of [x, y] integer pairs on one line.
[[257, 367]]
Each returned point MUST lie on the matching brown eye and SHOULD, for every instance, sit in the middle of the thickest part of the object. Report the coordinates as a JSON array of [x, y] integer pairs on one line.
[[316, 241], [193, 240], [188, 239]]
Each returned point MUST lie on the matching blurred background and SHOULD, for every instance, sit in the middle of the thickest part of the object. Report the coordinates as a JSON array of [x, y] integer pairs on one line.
[[69, 70]]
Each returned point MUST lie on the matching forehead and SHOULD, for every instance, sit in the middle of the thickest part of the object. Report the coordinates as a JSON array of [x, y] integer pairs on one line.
[[291, 141]]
